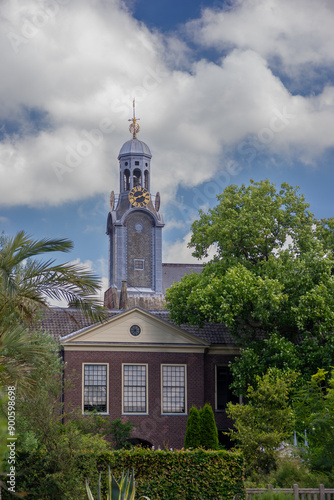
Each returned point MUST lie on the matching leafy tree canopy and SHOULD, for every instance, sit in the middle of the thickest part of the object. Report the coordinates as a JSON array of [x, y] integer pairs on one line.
[[272, 271], [271, 280]]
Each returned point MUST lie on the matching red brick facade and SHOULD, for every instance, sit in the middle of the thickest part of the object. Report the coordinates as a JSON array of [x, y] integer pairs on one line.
[[159, 430]]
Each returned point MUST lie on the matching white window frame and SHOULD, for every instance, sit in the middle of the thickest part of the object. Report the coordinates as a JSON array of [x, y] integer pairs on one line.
[[185, 389], [146, 389], [83, 388]]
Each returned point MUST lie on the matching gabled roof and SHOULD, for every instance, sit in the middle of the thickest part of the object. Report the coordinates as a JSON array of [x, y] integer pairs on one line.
[[60, 322], [154, 332]]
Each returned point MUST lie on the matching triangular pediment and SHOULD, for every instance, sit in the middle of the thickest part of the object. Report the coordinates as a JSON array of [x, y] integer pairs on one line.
[[117, 331]]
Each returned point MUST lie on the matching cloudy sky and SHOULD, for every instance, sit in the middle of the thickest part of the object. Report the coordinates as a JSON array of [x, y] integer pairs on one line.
[[225, 91]]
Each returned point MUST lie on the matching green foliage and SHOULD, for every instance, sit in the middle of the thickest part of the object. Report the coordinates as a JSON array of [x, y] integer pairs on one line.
[[119, 432], [279, 352], [271, 280], [160, 474], [249, 223], [292, 471], [193, 433], [166, 475], [123, 489], [314, 406], [49, 453], [265, 421], [268, 495], [208, 429], [3, 425], [26, 284], [275, 351], [269, 265], [60, 472]]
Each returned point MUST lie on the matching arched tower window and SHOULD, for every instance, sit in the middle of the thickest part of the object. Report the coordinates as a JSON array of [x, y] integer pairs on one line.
[[136, 177], [126, 180], [146, 180]]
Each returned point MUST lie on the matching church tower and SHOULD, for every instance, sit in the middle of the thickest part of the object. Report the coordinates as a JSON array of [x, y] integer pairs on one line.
[[134, 224]]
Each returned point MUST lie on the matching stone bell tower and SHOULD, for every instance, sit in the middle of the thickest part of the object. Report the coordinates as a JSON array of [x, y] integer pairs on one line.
[[134, 224]]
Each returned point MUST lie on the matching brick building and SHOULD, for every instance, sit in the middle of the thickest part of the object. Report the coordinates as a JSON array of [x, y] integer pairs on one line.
[[138, 365]]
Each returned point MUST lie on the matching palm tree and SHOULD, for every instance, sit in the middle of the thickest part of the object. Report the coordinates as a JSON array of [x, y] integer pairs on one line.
[[26, 285]]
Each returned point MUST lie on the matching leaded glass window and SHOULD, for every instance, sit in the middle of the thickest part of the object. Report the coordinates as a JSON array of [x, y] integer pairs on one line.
[[173, 389], [95, 388], [134, 389]]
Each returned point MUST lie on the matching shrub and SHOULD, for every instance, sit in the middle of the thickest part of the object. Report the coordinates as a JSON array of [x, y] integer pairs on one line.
[[265, 421], [208, 429], [291, 471], [191, 474], [193, 433], [160, 475]]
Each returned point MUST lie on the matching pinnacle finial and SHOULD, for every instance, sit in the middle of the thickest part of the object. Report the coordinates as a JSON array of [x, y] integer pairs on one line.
[[134, 126]]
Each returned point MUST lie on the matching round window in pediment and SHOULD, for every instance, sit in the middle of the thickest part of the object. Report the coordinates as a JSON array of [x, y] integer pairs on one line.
[[135, 330]]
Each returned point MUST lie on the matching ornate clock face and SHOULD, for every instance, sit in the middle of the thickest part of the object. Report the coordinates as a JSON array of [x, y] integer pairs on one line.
[[139, 197]]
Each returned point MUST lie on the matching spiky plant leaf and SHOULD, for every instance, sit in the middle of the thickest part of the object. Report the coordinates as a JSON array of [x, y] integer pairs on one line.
[[89, 493]]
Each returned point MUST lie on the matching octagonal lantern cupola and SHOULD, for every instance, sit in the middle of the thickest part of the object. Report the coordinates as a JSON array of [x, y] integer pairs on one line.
[[134, 222], [134, 161]]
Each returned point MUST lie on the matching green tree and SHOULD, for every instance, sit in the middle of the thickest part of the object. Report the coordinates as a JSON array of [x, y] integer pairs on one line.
[[48, 436], [26, 285], [265, 421], [279, 352], [208, 428], [271, 277], [193, 432], [314, 407]]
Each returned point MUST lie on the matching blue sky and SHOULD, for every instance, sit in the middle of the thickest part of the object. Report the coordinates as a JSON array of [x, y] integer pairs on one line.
[[225, 91]]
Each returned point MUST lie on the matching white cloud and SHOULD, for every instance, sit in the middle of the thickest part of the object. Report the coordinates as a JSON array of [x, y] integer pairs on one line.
[[299, 32], [81, 67], [178, 252]]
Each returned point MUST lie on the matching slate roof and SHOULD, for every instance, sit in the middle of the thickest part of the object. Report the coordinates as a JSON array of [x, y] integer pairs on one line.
[[60, 322], [214, 333]]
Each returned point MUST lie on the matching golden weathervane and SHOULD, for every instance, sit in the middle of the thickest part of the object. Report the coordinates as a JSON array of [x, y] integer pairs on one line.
[[134, 126]]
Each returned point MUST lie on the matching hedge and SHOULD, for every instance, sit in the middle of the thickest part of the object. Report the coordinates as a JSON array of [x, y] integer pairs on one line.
[[187, 474], [160, 474]]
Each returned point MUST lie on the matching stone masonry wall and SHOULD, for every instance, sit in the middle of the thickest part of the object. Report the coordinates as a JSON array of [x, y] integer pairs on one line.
[[139, 246]]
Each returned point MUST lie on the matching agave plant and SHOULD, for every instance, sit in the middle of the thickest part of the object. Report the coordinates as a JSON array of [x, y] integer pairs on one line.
[[123, 489]]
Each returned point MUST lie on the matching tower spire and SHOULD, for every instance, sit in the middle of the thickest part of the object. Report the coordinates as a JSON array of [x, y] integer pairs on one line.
[[134, 126]]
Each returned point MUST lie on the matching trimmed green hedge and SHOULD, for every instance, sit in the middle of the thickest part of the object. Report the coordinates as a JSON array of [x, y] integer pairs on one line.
[[161, 475], [190, 474]]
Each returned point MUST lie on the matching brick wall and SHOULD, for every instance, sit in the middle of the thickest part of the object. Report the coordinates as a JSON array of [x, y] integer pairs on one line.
[[159, 430]]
